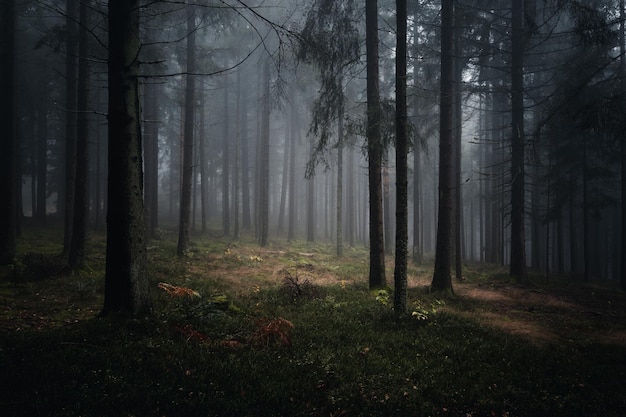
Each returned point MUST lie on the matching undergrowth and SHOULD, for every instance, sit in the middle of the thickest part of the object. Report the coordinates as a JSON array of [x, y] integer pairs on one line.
[[292, 348]]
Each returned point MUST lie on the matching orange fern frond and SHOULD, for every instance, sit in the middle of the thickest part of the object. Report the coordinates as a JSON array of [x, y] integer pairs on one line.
[[175, 291]]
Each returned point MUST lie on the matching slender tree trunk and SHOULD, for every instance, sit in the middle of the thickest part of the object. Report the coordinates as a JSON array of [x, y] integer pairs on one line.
[[245, 164], [374, 149], [264, 159], [310, 202], [81, 196], [442, 280], [70, 124], [458, 134], [351, 217], [284, 177], [518, 240], [340, 145], [236, 231], [8, 142], [291, 229], [204, 181], [622, 47], [127, 288], [151, 155], [402, 195], [187, 152], [226, 165], [42, 155]]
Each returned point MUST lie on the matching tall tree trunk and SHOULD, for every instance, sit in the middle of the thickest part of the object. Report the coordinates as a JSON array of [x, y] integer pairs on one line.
[[42, 155], [291, 229], [284, 177], [226, 165], [264, 159], [402, 195], [187, 152], [340, 145], [8, 143], [246, 217], [310, 202], [236, 231], [76, 258], [351, 215], [204, 209], [442, 280], [127, 288], [70, 124], [374, 149], [151, 156], [458, 134], [518, 240], [622, 43]]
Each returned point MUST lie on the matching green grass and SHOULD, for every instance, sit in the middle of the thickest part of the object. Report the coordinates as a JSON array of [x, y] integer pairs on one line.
[[348, 354]]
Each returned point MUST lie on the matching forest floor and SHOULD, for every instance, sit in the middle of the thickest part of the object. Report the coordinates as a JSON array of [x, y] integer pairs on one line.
[[565, 340]]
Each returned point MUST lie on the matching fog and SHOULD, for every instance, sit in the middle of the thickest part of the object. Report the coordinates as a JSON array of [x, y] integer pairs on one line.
[[267, 93]]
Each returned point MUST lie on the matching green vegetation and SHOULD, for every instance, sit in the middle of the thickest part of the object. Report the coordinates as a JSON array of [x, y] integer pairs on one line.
[[294, 331]]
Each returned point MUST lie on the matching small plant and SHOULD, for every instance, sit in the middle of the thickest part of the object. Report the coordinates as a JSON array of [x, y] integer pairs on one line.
[[272, 331], [425, 312], [298, 289], [178, 292], [382, 297]]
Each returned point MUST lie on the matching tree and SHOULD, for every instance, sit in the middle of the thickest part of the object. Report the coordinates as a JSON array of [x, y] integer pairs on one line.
[[518, 240], [442, 280], [81, 198], [70, 123], [402, 210], [622, 43], [374, 149], [127, 288], [8, 180], [187, 160], [264, 158]]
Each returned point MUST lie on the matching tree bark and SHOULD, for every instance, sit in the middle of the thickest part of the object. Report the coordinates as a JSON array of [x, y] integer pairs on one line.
[[518, 240], [374, 149], [127, 288], [187, 159], [76, 258], [402, 196], [442, 280], [264, 159], [8, 143], [622, 43], [70, 125]]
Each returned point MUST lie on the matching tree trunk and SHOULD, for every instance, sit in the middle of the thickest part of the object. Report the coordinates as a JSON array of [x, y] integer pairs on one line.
[[340, 144], [70, 125], [458, 134], [226, 165], [518, 241], [81, 196], [442, 280], [374, 149], [187, 152], [127, 288], [291, 228], [402, 196], [151, 155], [622, 36], [246, 217], [42, 156], [8, 143], [264, 159]]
